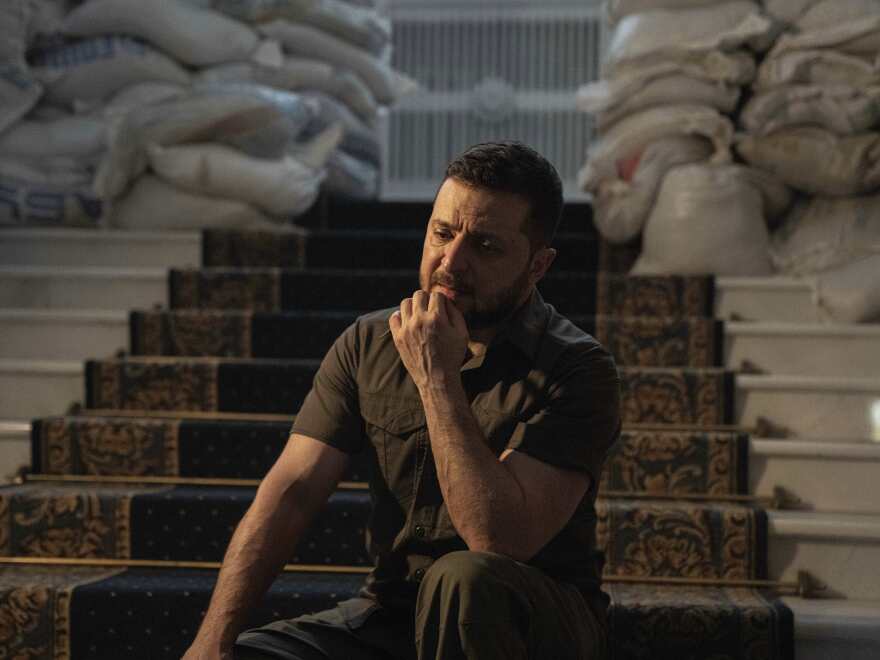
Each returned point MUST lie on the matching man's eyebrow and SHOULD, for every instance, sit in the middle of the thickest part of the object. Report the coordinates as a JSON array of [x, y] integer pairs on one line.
[[479, 235]]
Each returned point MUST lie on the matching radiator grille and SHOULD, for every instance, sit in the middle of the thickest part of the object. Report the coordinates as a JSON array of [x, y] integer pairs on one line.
[[489, 70]]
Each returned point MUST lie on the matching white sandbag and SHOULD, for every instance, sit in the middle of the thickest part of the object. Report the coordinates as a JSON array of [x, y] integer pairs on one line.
[[142, 94], [386, 84], [630, 136], [815, 160], [817, 67], [93, 69], [196, 118], [708, 220], [653, 35], [735, 68], [843, 109], [861, 37], [361, 27], [618, 9], [154, 204], [360, 140], [612, 100], [825, 232], [850, 293], [837, 12], [19, 89], [787, 12], [349, 177], [47, 193], [283, 187], [300, 74], [77, 137], [621, 206], [296, 112], [199, 37]]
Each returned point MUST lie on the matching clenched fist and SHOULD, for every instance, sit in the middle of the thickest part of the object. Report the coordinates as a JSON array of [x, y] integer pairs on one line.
[[432, 338]]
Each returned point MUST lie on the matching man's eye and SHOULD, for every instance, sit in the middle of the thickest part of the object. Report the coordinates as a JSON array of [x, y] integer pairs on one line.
[[488, 246], [443, 234]]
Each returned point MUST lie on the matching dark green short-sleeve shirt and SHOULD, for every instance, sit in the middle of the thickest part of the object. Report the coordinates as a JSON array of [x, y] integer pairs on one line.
[[543, 387]]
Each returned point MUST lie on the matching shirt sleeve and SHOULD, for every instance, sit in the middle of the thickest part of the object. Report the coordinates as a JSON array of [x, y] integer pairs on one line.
[[331, 412], [580, 416]]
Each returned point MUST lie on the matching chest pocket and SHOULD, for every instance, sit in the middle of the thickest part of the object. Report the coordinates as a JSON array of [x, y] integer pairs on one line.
[[398, 431]]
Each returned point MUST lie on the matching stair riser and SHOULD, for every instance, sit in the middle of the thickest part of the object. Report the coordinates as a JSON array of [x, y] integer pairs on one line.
[[15, 452], [822, 484], [758, 303], [810, 413], [59, 339], [847, 566], [71, 292], [25, 395], [189, 524], [805, 355], [106, 249], [685, 396]]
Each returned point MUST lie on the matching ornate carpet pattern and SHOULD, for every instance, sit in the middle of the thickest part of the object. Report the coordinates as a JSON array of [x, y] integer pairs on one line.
[[209, 392], [185, 523], [636, 341], [650, 395], [656, 462]]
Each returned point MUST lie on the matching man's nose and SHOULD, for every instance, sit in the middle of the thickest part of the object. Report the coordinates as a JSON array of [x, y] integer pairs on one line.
[[455, 255]]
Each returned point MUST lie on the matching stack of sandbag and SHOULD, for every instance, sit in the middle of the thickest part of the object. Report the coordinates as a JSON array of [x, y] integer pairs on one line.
[[46, 154], [145, 105], [672, 76], [812, 120]]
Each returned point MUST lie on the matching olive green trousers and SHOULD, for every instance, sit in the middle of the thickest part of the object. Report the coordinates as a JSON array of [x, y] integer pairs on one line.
[[471, 605]]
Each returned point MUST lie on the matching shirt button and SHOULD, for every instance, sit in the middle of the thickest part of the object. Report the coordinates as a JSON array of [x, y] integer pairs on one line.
[[420, 532], [419, 574]]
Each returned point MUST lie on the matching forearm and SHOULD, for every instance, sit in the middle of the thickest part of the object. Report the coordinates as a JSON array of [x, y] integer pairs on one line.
[[261, 545], [484, 500]]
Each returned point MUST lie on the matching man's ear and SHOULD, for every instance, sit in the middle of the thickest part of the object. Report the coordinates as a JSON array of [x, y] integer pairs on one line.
[[541, 261]]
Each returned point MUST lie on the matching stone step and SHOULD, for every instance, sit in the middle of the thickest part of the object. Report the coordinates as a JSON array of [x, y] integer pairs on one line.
[[826, 475], [195, 523], [806, 349], [641, 341], [38, 388], [15, 447], [811, 406], [356, 249], [104, 248], [835, 629], [150, 613], [785, 299], [840, 550], [650, 395], [36, 287], [59, 334]]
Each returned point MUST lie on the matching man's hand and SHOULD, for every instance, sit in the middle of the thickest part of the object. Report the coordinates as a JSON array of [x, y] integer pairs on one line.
[[431, 336]]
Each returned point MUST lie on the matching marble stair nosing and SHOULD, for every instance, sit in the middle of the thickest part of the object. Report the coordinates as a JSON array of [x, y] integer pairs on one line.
[[27, 287], [826, 476], [851, 350], [841, 550], [106, 248], [39, 388], [62, 334], [811, 406], [835, 629], [782, 299]]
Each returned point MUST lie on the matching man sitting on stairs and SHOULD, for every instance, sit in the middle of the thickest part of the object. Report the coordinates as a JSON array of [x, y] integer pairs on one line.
[[486, 416]]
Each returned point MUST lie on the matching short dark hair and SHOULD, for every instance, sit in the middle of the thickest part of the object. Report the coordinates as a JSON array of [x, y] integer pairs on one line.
[[514, 167]]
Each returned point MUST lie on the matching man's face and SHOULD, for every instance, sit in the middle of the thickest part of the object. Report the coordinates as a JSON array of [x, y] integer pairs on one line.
[[476, 254]]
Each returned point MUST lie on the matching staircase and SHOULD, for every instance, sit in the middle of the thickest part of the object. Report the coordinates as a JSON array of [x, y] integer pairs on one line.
[[188, 380]]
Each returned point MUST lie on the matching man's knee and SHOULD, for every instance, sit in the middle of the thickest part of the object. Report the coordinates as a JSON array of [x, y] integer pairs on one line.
[[476, 575]]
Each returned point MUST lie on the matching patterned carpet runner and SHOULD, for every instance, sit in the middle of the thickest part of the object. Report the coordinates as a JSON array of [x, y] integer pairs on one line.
[[209, 392]]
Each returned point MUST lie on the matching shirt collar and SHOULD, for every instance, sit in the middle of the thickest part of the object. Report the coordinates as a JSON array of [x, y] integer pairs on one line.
[[527, 325]]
